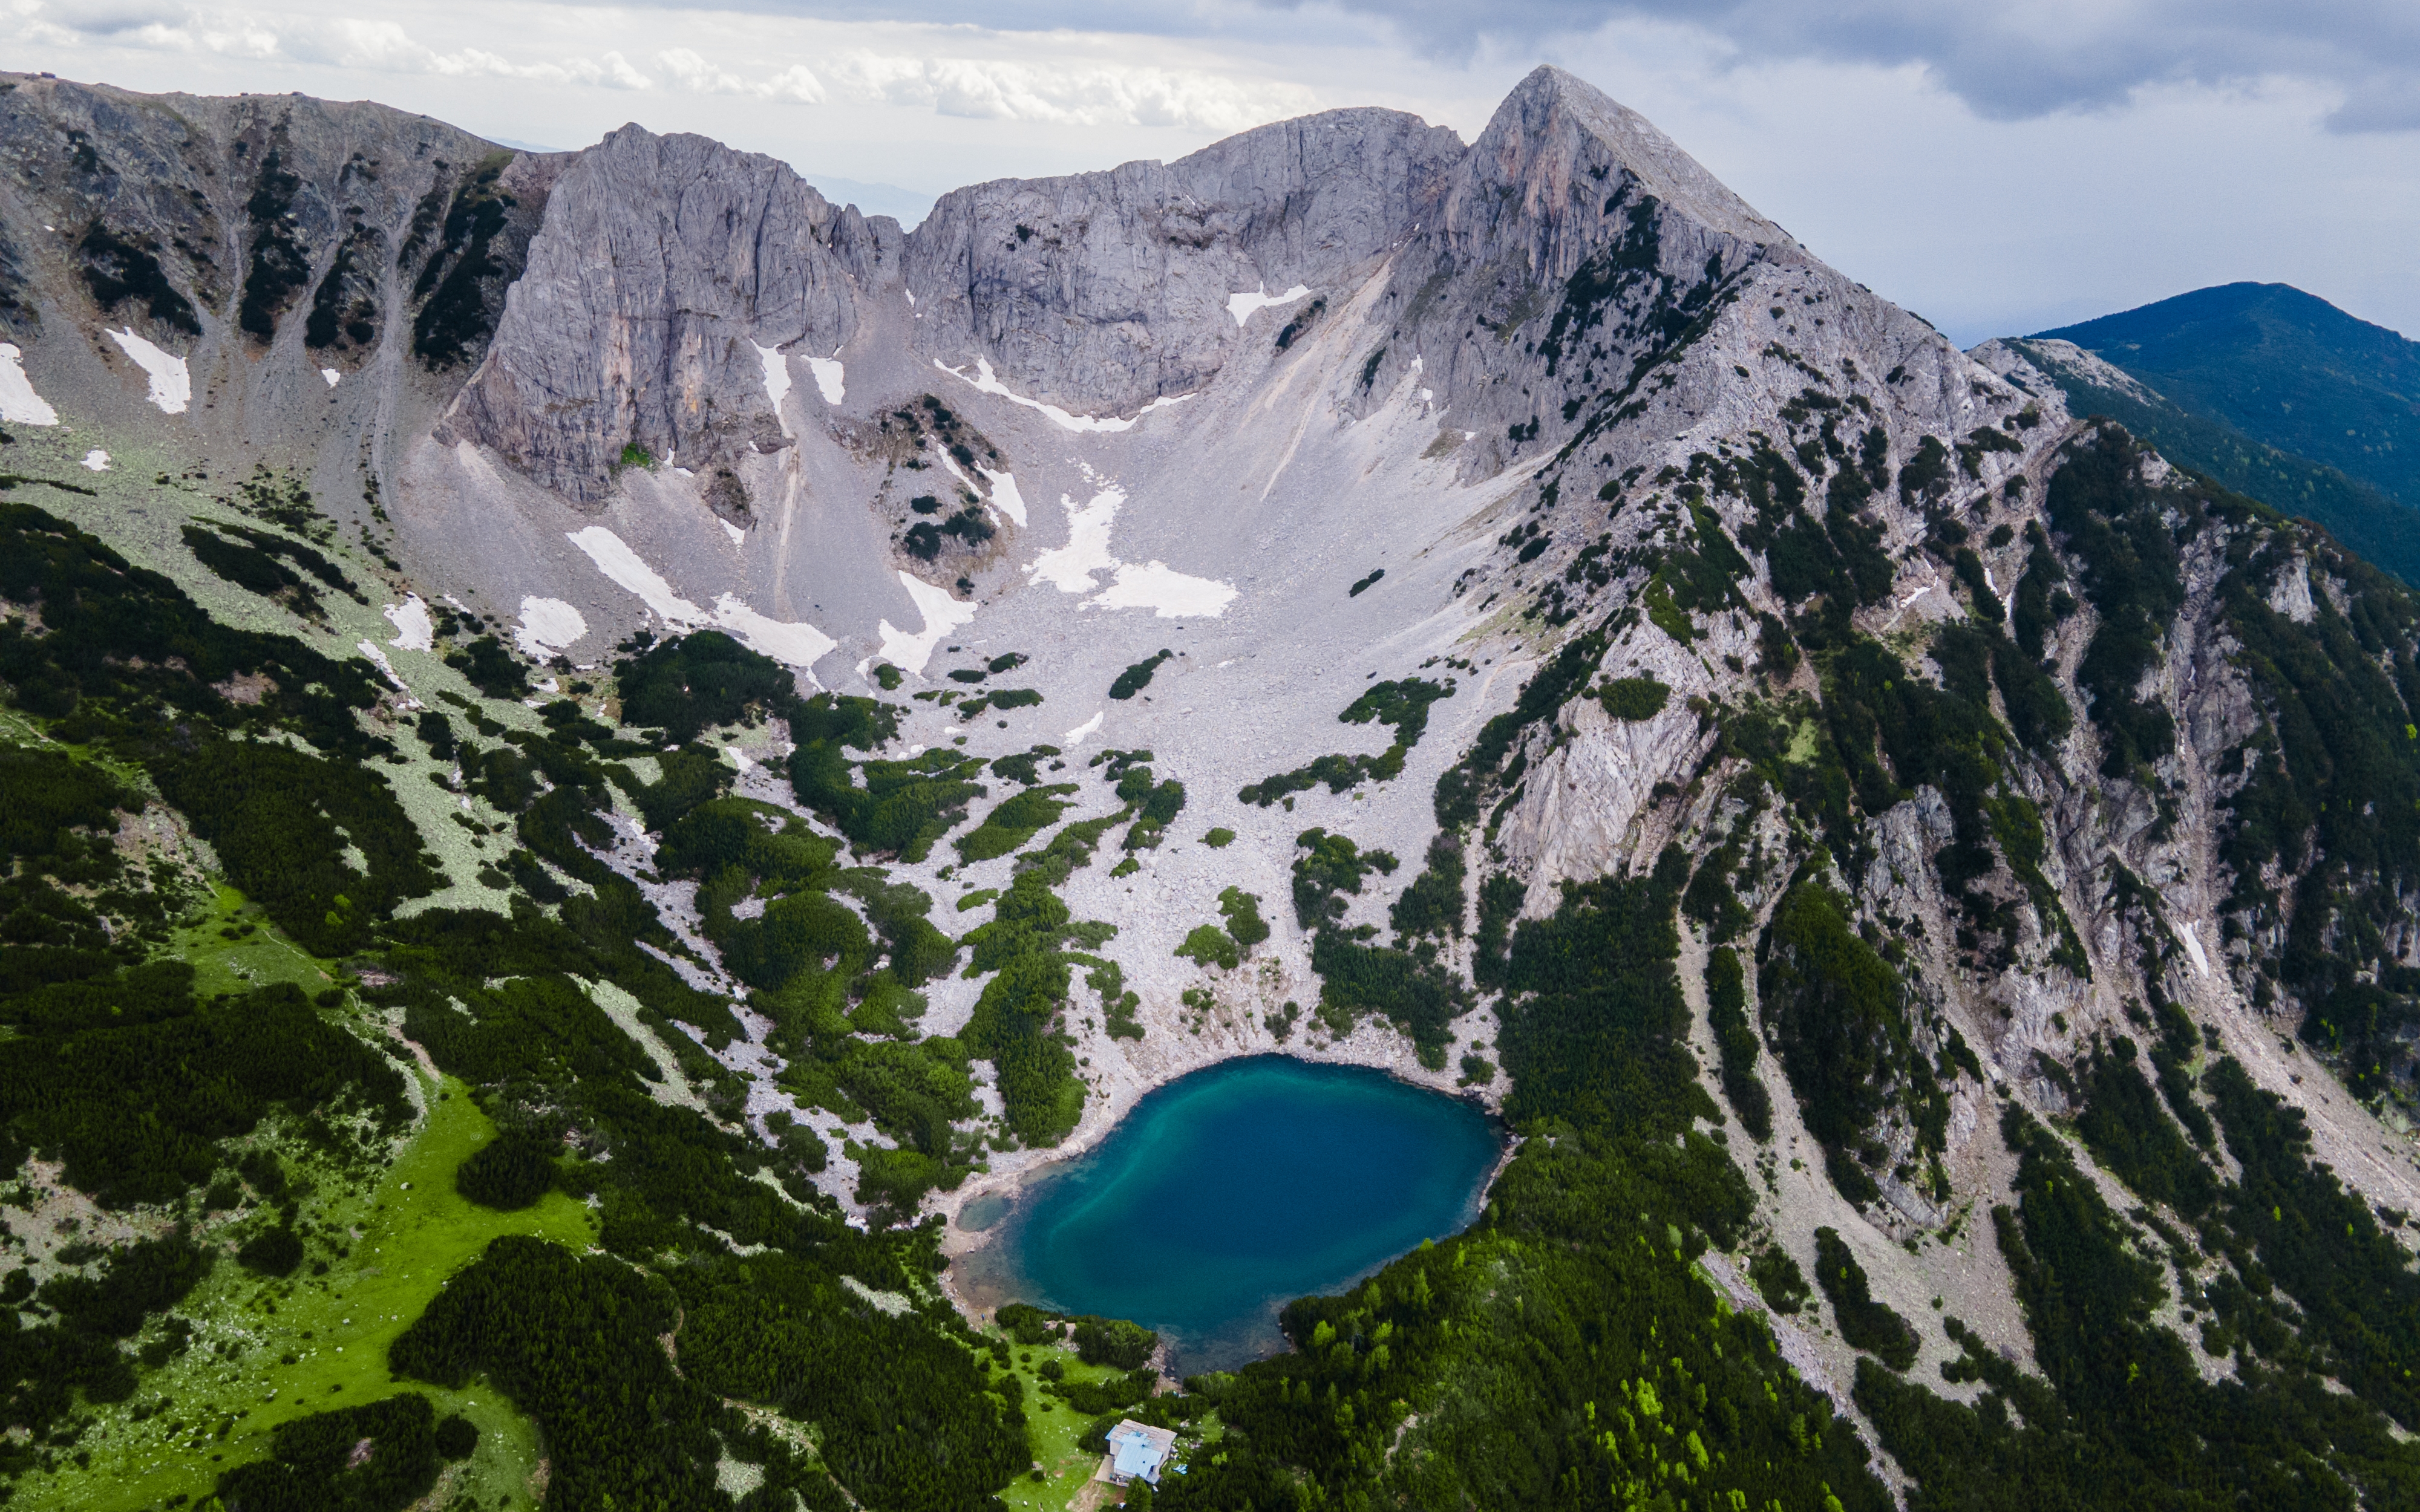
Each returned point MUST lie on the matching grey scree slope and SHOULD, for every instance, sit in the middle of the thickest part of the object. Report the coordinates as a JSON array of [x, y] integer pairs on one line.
[[1198, 400]]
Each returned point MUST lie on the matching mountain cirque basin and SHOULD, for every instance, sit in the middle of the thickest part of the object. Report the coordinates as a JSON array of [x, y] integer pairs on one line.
[[1932, 882], [1229, 1192]]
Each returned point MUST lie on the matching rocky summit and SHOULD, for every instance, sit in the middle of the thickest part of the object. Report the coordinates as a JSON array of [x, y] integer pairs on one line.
[[602, 752]]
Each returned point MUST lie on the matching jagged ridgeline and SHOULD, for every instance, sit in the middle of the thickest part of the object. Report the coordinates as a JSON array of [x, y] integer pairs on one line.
[[562, 828]]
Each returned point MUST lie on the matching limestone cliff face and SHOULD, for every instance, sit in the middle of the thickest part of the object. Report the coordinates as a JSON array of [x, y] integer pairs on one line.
[[666, 264], [265, 241], [1107, 291]]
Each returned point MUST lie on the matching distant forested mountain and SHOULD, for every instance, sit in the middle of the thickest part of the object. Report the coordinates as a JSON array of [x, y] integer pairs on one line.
[[2279, 394]]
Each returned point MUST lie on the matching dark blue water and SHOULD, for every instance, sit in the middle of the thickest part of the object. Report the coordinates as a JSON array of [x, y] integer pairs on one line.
[[1233, 1191]]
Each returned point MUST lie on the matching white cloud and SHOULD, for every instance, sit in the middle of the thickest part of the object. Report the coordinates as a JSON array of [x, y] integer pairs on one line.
[[796, 85], [691, 71], [1090, 94], [341, 42]]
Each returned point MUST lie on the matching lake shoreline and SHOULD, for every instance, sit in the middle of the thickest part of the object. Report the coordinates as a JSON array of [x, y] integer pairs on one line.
[[978, 1278]]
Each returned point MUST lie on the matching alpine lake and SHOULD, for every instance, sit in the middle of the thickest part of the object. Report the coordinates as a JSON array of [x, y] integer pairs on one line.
[[1229, 1192]]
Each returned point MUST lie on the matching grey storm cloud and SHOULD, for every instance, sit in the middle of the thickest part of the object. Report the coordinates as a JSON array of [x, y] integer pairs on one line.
[[2011, 59], [2006, 59]]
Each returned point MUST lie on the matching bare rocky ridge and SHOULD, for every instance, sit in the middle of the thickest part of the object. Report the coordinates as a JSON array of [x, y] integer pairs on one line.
[[1555, 384]]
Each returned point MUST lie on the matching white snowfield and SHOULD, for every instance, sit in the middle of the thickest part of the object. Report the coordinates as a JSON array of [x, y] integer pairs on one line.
[[378, 655], [791, 642], [985, 383], [413, 630], [332, 377], [19, 403], [1005, 496], [171, 387], [1155, 585], [828, 377], [548, 625], [95, 460], [942, 613], [777, 381], [1069, 568], [1163, 590], [1242, 307]]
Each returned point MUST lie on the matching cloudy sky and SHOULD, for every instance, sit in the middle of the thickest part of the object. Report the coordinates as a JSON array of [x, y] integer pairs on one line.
[[1996, 166]]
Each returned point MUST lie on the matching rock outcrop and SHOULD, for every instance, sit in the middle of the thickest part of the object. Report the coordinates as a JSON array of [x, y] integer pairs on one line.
[[667, 267]]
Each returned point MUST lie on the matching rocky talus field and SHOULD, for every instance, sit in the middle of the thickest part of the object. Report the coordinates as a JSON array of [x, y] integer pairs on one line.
[[594, 745]]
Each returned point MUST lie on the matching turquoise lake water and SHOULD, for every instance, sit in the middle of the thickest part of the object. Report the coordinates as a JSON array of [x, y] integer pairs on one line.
[[1230, 1192]]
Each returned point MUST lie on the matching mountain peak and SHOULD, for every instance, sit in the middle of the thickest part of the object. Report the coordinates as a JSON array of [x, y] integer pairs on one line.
[[1557, 125]]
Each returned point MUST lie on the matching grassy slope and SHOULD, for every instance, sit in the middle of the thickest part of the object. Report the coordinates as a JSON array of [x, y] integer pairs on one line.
[[414, 1232], [1054, 1427]]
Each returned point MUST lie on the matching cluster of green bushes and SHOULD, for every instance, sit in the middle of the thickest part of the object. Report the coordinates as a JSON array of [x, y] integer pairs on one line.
[[1735, 1042], [452, 326], [1138, 677], [2120, 1412], [2131, 569], [1844, 1028], [1865, 1324], [682, 686], [60, 1349], [1402, 706], [380, 1457], [117, 267], [282, 820], [277, 264], [86, 1053], [903, 806], [1015, 821], [257, 560], [1210, 945], [120, 653]]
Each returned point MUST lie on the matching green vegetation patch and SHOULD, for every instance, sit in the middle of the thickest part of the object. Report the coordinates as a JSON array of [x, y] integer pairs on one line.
[[1138, 677], [1402, 706], [1865, 1324], [688, 686], [1015, 821], [1633, 698], [1843, 1028]]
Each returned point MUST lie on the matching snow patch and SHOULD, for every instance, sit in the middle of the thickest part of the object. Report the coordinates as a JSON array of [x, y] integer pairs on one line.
[[1069, 568], [370, 649], [18, 400], [95, 460], [829, 374], [1155, 585], [615, 560], [1076, 736], [942, 613], [777, 381], [985, 382], [172, 387], [1004, 494], [413, 630], [788, 641], [1174, 594], [332, 377], [795, 644], [1243, 305], [548, 625], [738, 536], [2193, 948]]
